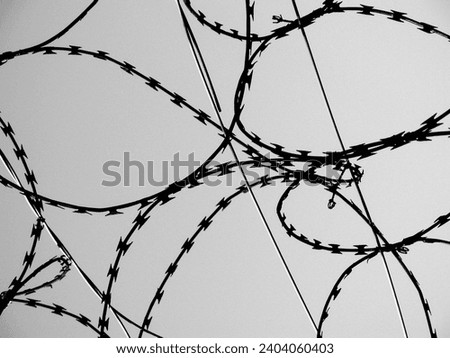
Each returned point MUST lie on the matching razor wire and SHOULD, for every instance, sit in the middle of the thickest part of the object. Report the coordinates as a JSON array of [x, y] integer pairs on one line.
[[280, 162]]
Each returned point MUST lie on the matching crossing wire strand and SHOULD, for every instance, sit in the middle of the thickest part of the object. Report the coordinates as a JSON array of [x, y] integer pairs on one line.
[[206, 78], [358, 188]]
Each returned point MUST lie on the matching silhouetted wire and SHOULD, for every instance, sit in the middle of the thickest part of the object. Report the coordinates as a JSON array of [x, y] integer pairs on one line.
[[36, 208], [213, 98], [280, 165], [56, 36], [336, 289], [363, 201]]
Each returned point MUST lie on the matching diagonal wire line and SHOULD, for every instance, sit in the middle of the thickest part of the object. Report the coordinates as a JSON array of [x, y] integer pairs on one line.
[[363, 201], [213, 98], [57, 241]]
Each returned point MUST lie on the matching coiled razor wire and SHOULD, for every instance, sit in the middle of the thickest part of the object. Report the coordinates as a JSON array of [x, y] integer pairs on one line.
[[280, 162]]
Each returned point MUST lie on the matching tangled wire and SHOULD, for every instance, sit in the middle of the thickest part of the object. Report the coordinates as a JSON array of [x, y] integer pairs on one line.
[[282, 163]]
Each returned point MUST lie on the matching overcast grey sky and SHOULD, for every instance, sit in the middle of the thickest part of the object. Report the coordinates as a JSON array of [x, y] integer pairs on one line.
[[73, 113]]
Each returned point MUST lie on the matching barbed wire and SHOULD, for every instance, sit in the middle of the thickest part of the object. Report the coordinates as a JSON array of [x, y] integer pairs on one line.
[[279, 161]]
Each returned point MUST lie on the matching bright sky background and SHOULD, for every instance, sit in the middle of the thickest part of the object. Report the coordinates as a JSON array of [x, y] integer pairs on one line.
[[73, 113]]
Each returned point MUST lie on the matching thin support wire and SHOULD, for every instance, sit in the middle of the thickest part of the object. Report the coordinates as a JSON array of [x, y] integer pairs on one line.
[[363, 201], [214, 101]]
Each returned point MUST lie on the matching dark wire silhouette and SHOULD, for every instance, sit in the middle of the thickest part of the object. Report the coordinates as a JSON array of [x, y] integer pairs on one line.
[[213, 97], [352, 172], [236, 137]]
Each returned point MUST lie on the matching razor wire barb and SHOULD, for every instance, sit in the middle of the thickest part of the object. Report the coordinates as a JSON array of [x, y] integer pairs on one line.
[[281, 163]]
